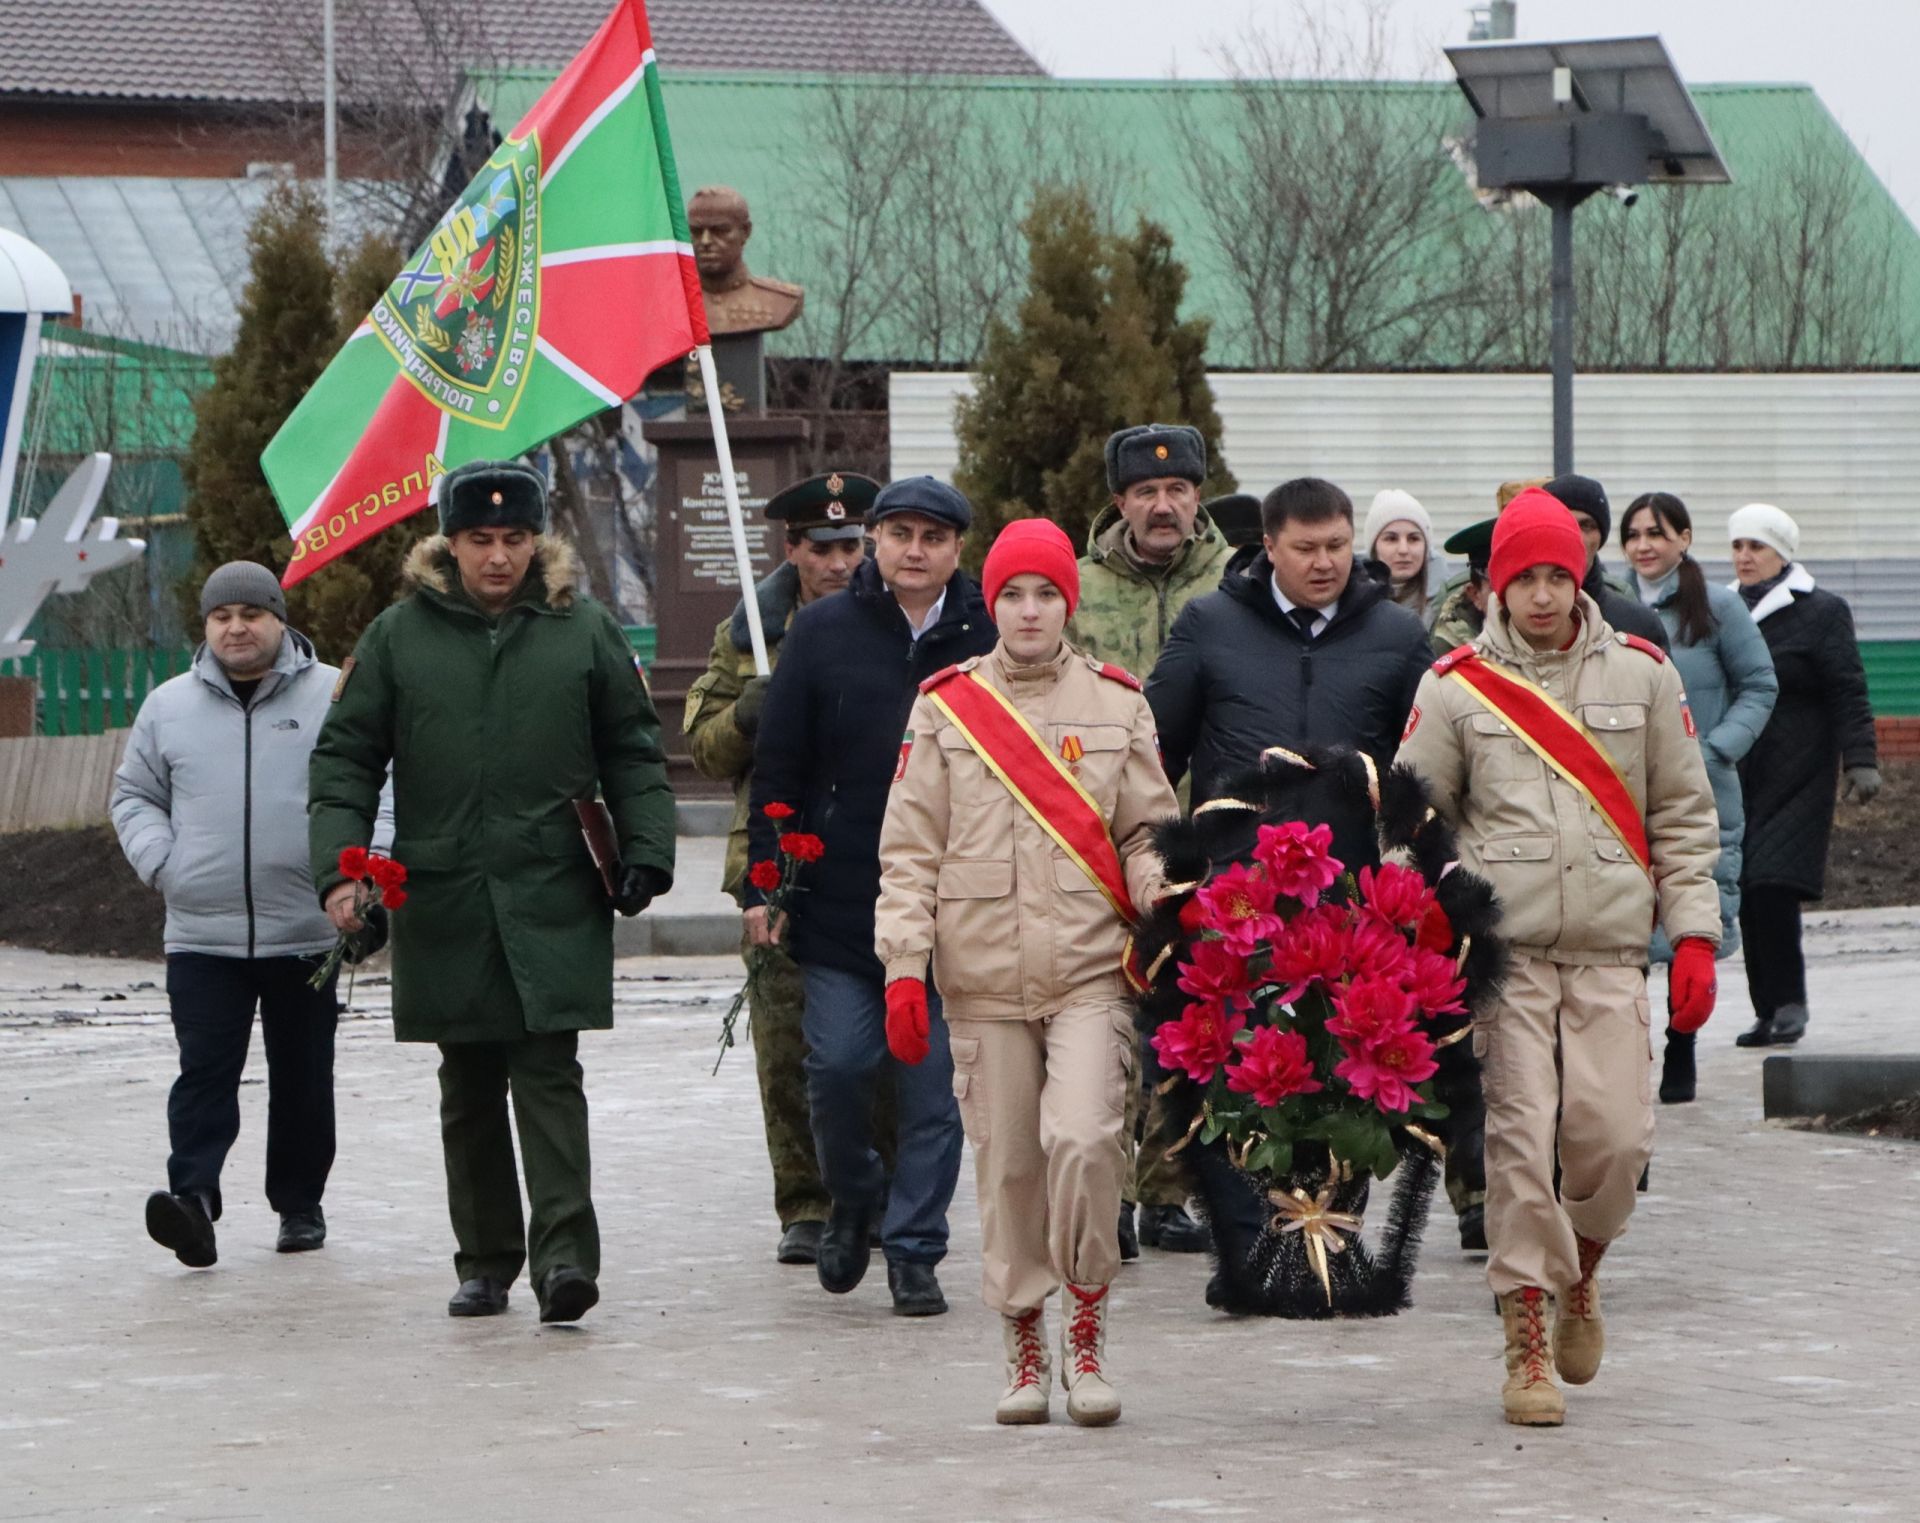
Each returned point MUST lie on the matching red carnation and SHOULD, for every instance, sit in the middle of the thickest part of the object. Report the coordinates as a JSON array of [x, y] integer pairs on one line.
[[764, 876], [1436, 931], [803, 847], [353, 862], [393, 898], [1272, 1066], [778, 811], [385, 872]]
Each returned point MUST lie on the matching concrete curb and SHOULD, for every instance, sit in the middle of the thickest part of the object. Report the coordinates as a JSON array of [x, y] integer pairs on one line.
[[1834, 1084], [703, 817], [676, 935]]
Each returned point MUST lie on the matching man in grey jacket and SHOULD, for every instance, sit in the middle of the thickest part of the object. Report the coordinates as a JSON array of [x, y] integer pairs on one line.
[[210, 805]]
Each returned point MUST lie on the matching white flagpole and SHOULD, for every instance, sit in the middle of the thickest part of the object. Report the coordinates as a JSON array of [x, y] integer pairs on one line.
[[735, 521]]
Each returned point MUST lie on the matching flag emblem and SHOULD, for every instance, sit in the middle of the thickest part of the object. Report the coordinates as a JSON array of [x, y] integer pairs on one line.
[[1071, 750], [906, 750]]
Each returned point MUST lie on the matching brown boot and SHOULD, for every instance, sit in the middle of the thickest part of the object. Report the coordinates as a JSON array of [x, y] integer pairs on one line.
[[1579, 1331], [1529, 1397], [1029, 1393], [1092, 1401]]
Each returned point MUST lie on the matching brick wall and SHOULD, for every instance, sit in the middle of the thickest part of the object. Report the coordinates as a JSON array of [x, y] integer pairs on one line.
[[1899, 739]]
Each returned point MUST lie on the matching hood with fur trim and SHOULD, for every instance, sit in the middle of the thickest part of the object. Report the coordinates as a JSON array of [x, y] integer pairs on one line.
[[430, 567]]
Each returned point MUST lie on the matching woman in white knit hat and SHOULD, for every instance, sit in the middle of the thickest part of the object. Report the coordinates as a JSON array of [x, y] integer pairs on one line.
[[1397, 541], [1821, 726]]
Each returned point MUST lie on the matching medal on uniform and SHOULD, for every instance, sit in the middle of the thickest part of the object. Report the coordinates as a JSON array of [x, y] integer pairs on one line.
[[1071, 750]]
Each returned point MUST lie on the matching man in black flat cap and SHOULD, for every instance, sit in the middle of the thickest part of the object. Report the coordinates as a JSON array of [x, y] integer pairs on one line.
[[1586, 499], [828, 745], [826, 543]]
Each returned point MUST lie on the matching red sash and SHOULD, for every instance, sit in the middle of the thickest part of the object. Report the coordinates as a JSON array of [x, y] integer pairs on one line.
[[1558, 738], [1038, 780]]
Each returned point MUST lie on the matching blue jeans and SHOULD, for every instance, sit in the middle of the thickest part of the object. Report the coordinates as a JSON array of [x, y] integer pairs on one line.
[[846, 1030]]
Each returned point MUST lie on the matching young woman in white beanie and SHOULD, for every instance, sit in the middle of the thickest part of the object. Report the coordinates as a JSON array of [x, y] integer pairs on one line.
[[1398, 538], [1821, 727]]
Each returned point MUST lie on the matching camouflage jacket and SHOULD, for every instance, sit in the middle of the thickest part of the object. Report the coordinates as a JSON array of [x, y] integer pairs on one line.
[[720, 751], [1124, 613], [1458, 622]]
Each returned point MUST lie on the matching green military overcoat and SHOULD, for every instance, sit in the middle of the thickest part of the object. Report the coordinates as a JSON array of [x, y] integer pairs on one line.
[[493, 728], [1124, 611]]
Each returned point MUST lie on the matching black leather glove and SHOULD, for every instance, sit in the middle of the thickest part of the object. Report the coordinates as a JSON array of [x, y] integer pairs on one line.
[[1861, 785], [746, 708], [370, 938], [635, 887]]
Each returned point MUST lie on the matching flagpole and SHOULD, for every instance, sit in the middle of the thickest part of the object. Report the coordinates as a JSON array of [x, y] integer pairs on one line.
[[730, 489]]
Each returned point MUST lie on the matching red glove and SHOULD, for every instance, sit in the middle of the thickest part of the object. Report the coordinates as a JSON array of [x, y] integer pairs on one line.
[[907, 1026], [1691, 985]]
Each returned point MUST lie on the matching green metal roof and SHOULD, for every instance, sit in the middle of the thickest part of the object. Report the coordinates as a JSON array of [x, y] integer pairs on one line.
[[764, 134]]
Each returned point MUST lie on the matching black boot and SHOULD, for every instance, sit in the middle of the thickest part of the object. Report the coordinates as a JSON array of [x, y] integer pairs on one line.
[[1759, 1034], [301, 1231], [1677, 1074], [1171, 1230], [844, 1249], [566, 1294], [1129, 1239], [183, 1223], [800, 1243], [916, 1289], [1789, 1025], [1473, 1228], [479, 1297]]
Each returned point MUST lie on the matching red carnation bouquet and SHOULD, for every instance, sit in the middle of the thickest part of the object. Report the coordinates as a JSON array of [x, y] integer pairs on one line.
[[377, 880], [778, 883], [1311, 1019]]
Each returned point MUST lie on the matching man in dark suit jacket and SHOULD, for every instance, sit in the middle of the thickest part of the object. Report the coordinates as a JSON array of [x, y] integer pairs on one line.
[[1294, 650], [829, 741]]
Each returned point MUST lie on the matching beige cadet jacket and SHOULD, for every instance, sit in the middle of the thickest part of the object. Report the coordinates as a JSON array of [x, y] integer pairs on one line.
[[1570, 891], [1016, 930]]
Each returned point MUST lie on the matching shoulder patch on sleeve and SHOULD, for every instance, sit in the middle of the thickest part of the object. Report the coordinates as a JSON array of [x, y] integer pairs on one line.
[[1645, 646], [1120, 675], [1453, 658], [946, 674], [346, 671]]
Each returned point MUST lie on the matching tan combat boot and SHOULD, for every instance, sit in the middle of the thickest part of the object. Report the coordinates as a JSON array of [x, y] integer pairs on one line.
[[1029, 1393], [1579, 1331], [1091, 1401], [1529, 1397]]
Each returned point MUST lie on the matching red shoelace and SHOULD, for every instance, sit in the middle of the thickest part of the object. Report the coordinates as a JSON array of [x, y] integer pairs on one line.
[[1030, 1350], [1083, 1332]]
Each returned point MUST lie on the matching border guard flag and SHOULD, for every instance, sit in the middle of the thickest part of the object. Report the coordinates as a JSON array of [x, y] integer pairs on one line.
[[561, 278]]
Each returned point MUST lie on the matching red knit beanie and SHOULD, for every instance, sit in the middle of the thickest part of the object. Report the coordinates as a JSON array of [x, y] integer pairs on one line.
[[1535, 529], [1038, 545]]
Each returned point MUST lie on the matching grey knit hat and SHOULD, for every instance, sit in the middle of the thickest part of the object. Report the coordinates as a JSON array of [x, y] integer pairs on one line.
[[243, 582]]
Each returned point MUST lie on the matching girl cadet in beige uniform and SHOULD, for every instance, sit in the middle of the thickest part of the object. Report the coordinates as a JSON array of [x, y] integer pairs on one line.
[[1563, 754], [1014, 851]]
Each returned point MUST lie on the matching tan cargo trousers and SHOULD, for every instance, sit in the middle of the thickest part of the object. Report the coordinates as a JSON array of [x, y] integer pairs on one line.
[[1042, 1103], [1566, 1058]]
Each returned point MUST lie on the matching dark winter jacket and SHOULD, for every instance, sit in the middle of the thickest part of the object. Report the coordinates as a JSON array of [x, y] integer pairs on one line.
[[1622, 610], [1821, 722], [494, 727], [829, 744], [1238, 675]]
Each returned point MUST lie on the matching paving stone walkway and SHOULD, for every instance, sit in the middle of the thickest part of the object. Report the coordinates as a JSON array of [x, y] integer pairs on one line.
[[1762, 1313]]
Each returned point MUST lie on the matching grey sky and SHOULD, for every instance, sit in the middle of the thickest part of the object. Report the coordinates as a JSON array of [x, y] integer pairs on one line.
[[1860, 55]]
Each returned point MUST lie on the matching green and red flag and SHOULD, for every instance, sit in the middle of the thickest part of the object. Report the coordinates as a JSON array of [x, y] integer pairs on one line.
[[561, 279]]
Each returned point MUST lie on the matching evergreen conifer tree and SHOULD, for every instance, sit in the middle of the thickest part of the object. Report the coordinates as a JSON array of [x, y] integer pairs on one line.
[[295, 313], [1096, 345]]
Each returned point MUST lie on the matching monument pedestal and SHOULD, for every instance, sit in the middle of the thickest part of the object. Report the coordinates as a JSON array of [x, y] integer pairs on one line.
[[696, 578]]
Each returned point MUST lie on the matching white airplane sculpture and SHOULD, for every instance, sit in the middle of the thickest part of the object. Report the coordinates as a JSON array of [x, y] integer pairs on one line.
[[56, 552]]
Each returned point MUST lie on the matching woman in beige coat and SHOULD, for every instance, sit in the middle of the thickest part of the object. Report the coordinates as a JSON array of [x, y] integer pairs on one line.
[[1015, 850]]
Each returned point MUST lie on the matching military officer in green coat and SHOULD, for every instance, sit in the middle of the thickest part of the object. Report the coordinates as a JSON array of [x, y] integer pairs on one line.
[[500, 696], [825, 543], [1152, 551]]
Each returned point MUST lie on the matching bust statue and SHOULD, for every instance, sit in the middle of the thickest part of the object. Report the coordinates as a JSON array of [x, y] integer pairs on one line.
[[738, 301]]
